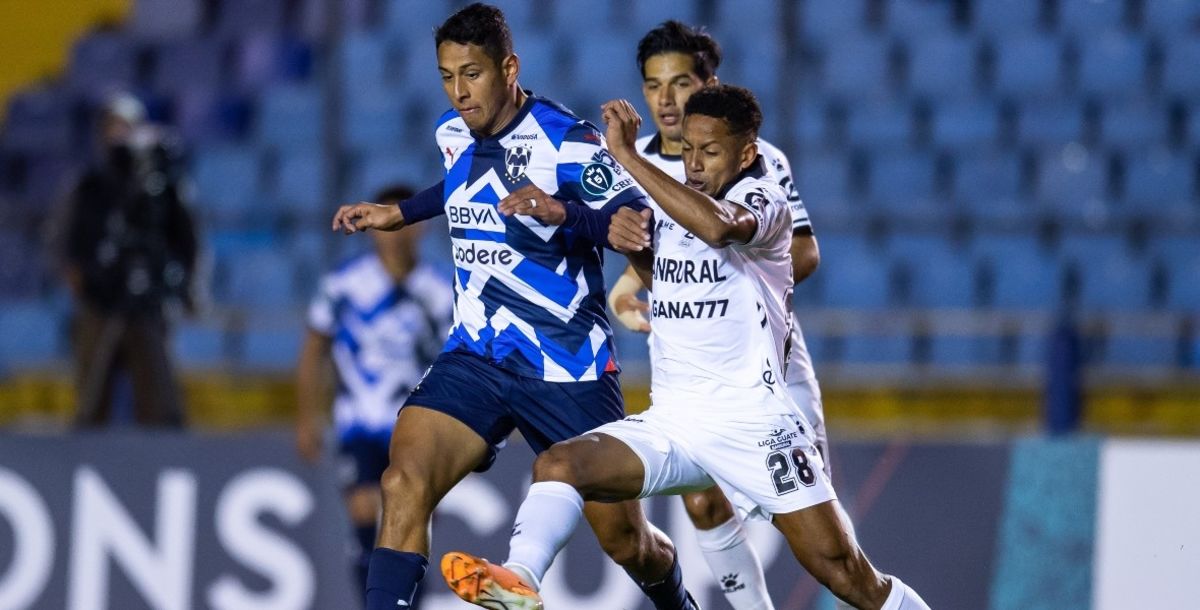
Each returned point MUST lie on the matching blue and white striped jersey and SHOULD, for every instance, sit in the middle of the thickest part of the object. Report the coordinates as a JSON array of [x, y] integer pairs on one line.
[[384, 337], [530, 297]]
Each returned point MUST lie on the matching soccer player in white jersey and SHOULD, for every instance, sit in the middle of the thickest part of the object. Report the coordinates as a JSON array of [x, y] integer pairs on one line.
[[675, 61], [529, 192], [380, 318], [720, 271]]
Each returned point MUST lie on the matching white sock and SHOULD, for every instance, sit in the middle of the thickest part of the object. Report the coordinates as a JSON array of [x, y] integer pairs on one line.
[[903, 598], [544, 523], [735, 565]]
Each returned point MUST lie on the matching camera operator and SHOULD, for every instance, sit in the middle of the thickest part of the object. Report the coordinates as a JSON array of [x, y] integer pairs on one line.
[[130, 252]]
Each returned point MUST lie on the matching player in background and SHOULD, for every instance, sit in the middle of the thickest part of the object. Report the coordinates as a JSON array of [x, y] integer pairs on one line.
[[721, 275], [529, 192], [380, 318], [675, 61]]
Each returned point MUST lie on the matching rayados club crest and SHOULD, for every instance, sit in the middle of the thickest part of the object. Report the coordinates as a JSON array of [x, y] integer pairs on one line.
[[516, 161]]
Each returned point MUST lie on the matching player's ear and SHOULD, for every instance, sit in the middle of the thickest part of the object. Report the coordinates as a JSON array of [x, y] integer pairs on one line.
[[511, 67], [749, 153]]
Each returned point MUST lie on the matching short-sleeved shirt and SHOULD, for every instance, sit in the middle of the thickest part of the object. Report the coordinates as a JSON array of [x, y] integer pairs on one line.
[[529, 297], [385, 334]]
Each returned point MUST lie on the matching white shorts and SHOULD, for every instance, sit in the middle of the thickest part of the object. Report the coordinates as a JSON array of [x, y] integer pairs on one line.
[[807, 396], [765, 463]]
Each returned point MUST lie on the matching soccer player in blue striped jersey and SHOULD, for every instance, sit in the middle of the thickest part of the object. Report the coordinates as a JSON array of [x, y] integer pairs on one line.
[[529, 191]]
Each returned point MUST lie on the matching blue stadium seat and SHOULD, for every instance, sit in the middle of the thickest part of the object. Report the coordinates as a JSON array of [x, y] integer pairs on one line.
[[939, 275], [901, 179], [262, 59], [1180, 256], [540, 62], [1088, 17], [48, 175], [227, 180], [1170, 16], [301, 183], [247, 16], [1113, 281], [1112, 65], [960, 350], [1024, 275], [260, 278], [38, 121], [1027, 66], [1006, 16], [1130, 350], [918, 18], [272, 349], [856, 67], [291, 117], [377, 170], [877, 349], [1050, 124], [854, 273], [30, 334], [1180, 76], [880, 125], [363, 59], [165, 19], [188, 63], [986, 177], [754, 62], [943, 66], [199, 345], [965, 126], [830, 21], [610, 59], [102, 62], [1154, 180], [808, 124], [1134, 126], [373, 120], [644, 15], [758, 16], [1073, 178], [415, 20], [822, 178]]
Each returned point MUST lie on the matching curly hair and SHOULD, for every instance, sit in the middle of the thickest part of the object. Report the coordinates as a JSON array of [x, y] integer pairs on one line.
[[730, 103], [675, 37], [481, 25]]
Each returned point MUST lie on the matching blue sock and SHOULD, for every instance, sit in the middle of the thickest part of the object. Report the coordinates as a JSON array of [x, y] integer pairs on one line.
[[392, 578], [668, 593]]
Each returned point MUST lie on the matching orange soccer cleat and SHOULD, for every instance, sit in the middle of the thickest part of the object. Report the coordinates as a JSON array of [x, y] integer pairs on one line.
[[488, 585]]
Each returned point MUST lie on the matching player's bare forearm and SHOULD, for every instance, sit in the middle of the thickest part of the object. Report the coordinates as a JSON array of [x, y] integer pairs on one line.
[[806, 256], [642, 263], [310, 393]]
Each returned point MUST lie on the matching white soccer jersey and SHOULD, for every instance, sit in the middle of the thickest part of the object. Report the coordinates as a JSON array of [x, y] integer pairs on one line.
[[721, 316], [384, 337], [799, 366]]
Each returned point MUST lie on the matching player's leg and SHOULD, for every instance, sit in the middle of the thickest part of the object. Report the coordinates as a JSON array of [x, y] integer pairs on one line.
[[820, 539], [727, 550], [362, 461]]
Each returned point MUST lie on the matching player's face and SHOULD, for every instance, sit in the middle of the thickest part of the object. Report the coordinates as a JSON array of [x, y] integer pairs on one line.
[[477, 86], [712, 156], [668, 80], [398, 245]]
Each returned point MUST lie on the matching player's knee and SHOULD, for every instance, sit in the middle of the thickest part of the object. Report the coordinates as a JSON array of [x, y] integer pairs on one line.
[[623, 543], [405, 491], [707, 509], [557, 464], [850, 577]]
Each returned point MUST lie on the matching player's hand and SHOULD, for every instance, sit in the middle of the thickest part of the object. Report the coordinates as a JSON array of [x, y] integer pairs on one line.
[[355, 217], [530, 200], [308, 440], [631, 312], [622, 123], [629, 231]]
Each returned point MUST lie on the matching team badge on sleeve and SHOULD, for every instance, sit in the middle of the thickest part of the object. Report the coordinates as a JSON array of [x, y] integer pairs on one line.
[[597, 179]]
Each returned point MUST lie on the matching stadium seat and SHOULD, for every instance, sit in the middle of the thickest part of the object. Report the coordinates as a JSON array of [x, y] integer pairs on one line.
[[986, 177], [188, 63], [1029, 66], [831, 21], [1180, 76], [754, 62], [1180, 257], [1112, 280], [373, 120], [259, 278], [901, 179], [227, 181], [644, 15], [1049, 125], [966, 125], [808, 126], [610, 58], [822, 178], [102, 62], [1086, 18], [1132, 350], [855, 274], [199, 345], [759, 16], [856, 67], [39, 121], [877, 349], [1006, 16], [960, 350], [263, 59], [290, 117], [1134, 126], [540, 62], [273, 349], [1112, 65], [247, 16], [943, 66], [363, 59], [1170, 16], [1023, 274], [1158, 179], [919, 18], [377, 170], [414, 20], [938, 274], [162, 20], [30, 334], [879, 125], [18, 281], [301, 182], [1072, 179]]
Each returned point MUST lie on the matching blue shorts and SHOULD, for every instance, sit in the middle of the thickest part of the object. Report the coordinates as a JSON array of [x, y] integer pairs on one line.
[[362, 458], [493, 402]]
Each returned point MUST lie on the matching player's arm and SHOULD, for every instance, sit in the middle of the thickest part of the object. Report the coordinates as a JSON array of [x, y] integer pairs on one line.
[[624, 302], [311, 374], [355, 217], [806, 255], [717, 223]]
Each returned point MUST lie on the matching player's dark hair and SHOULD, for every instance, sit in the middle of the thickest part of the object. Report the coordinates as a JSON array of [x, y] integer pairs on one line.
[[676, 37], [393, 193], [481, 25], [732, 104]]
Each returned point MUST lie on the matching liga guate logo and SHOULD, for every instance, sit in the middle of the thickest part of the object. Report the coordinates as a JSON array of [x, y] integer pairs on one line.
[[516, 161], [597, 178]]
